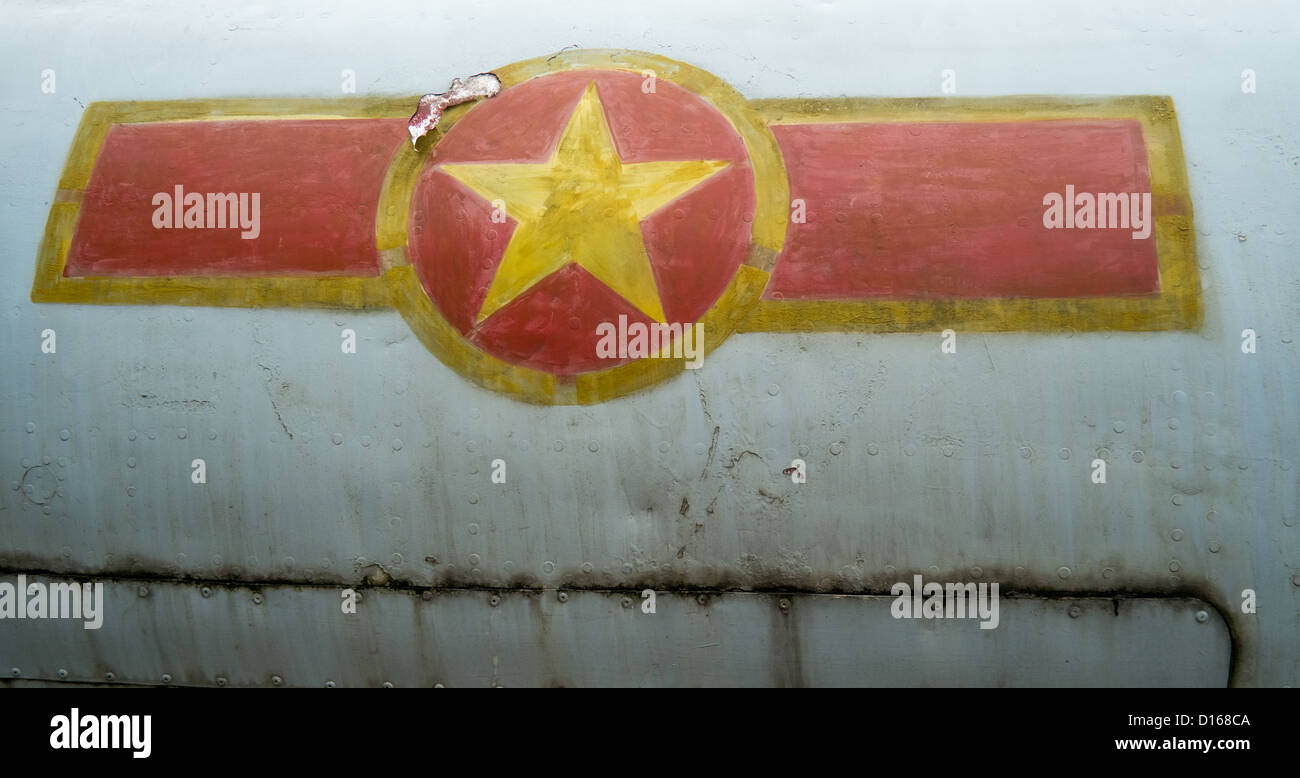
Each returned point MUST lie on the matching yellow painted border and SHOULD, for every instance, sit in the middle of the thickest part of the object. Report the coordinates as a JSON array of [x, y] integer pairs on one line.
[[333, 291], [739, 309], [1178, 305], [772, 197]]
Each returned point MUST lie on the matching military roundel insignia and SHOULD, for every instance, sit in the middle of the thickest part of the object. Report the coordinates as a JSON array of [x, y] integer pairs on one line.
[[608, 218]]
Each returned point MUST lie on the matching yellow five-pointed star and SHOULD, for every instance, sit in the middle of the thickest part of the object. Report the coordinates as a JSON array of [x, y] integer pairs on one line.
[[583, 206]]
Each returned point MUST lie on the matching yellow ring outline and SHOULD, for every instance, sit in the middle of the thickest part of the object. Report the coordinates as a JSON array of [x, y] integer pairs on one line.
[[767, 235]]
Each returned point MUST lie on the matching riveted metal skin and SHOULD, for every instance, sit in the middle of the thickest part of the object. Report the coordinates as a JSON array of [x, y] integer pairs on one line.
[[321, 466], [742, 639]]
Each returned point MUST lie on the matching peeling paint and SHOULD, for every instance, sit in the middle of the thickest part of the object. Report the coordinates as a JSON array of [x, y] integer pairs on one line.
[[429, 110]]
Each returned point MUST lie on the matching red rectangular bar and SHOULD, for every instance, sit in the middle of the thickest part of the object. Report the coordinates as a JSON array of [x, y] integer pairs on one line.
[[955, 210], [318, 182]]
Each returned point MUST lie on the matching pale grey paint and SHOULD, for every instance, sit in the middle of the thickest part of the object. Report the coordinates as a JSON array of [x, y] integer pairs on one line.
[[602, 638], [238, 383]]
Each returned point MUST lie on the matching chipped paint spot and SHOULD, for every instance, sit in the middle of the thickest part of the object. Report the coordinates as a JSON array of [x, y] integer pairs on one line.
[[429, 110]]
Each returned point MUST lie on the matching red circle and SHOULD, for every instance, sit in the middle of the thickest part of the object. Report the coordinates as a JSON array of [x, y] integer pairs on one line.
[[695, 243]]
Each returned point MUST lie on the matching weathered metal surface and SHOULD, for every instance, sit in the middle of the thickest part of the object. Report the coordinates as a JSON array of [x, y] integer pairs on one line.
[[326, 468], [298, 636]]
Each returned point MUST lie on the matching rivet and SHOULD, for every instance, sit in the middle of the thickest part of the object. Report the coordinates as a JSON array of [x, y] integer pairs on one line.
[[1065, 453], [329, 684], [1202, 616], [1177, 499], [1118, 427], [1175, 566], [593, 447], [836, 448], [1108, 572], [873, 449], [773, 390], [166, 677], [587, 567], [221, 680], [1295, 579], [702, 599], [30, 427], [1138, 456], [1177, 535], [277, 680], [63, 673], [64, 434], [143, 591], [439, 686], [783, 604], [426, 595], [474, 559], [1063, 572], [206, 591], [472, 528], [388, 684], [548, 567], [494, 600], [15, 672], [1215, 546], [257, 598], [977, 572], [627, 602], [1075, 611], [562, 597], [110, 677]]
